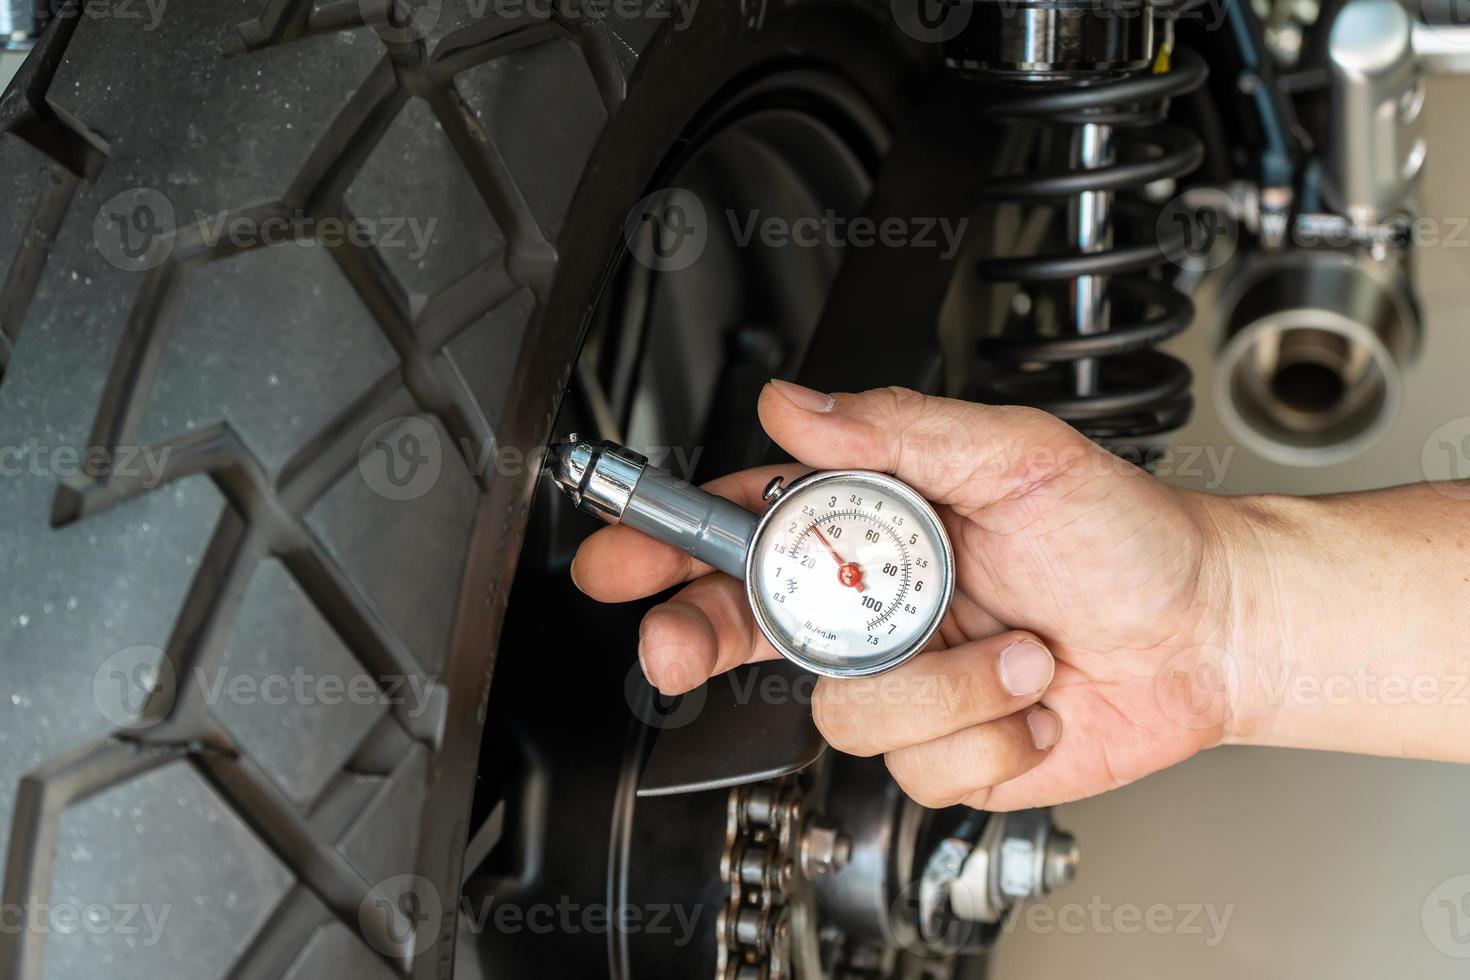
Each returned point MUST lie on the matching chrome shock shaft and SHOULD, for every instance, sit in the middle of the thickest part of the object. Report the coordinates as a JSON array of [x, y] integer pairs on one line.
[[1092, 231]]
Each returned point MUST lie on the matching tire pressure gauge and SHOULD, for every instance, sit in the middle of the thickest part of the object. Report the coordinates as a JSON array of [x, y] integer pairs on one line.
[[848, 572]]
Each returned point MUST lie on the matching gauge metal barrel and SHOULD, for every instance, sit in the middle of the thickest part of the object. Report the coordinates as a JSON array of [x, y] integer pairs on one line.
[[619, 486]]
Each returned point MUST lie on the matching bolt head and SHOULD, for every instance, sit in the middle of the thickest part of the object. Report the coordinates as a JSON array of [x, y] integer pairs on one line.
[[1059, 860]]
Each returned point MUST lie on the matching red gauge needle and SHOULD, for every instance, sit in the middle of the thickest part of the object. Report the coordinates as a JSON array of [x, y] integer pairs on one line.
[[847, 573]]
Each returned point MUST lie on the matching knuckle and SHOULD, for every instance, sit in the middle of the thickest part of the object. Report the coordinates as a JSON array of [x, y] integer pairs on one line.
[[1036, 425], [978, 799], [1035, 429], [899, 411], [1031, 419], [1049, 451], [970, 692], [901, 401], [917, 784], [924, 695], [934, 438]]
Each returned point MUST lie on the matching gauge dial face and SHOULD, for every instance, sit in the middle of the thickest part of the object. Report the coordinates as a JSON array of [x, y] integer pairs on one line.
[[849, 573]]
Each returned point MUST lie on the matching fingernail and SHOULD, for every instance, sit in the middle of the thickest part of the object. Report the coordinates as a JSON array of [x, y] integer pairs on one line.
[[666, 668], [805, 398], [644, 660], [662, 662], [1026, 668], [1045, 727], [573, 571]]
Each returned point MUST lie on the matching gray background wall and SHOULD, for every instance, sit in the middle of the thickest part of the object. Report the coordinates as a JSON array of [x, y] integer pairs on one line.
[[1329, 865]]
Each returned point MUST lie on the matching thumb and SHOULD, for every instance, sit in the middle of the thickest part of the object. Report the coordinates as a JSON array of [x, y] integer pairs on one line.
[[957, 453]]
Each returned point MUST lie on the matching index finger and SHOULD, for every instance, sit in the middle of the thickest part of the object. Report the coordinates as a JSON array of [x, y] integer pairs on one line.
[[958, 453], [619, 564]]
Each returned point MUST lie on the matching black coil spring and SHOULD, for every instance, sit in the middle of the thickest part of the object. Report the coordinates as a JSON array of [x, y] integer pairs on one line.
[[1140, 390]]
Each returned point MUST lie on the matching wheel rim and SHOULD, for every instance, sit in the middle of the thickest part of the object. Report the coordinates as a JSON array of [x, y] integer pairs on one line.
[[807, 141], [790, 147]]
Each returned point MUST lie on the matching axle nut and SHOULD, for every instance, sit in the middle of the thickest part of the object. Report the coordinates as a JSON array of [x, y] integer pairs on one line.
[[824, 850]]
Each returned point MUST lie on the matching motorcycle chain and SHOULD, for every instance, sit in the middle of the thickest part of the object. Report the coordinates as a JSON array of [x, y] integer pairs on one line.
[[758, 867]]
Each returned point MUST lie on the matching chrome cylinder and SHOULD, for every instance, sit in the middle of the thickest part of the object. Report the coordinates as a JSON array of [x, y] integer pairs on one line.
[[1040, 39], [1376, 148], [618, 486], [1309, 371], [1092, 231]]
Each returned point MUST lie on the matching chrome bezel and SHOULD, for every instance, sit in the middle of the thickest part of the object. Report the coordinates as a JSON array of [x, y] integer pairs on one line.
[[889, 484]]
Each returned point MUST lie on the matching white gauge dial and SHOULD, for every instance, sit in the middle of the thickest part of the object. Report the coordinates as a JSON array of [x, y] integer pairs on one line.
[[849, 573]]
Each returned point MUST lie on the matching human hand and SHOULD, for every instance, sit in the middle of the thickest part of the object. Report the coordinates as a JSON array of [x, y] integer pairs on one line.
[[1083, 586]]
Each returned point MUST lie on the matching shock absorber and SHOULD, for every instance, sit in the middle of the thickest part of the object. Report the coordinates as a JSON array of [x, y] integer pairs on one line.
[[1099, 74]]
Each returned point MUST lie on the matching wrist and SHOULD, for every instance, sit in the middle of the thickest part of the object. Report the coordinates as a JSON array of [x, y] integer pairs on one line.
[[1313, 661], [1249, 542]]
